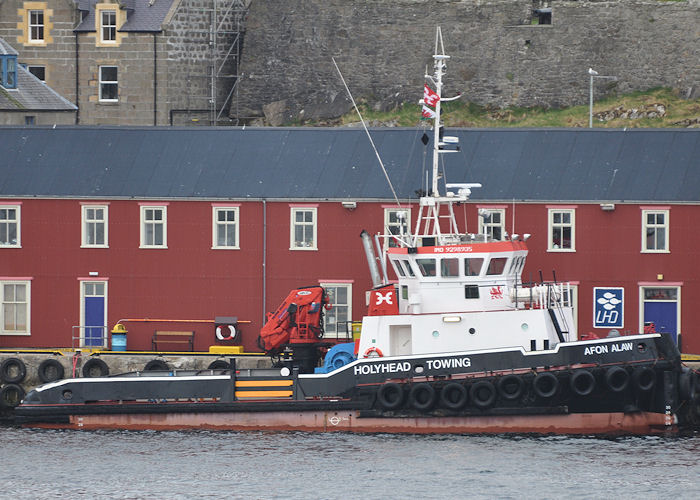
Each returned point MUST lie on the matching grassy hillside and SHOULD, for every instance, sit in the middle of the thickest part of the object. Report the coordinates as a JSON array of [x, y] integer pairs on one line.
[[659, 108]]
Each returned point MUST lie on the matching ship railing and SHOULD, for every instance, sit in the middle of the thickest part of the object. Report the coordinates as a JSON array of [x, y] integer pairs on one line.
[[546, 295], [90, 337]]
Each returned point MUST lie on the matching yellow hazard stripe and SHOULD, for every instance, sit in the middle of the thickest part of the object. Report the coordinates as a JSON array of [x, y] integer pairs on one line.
[[263, 394], [264, 383]]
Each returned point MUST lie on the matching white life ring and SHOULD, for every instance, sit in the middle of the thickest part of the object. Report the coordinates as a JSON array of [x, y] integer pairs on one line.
[[373, 352], [232, 333]]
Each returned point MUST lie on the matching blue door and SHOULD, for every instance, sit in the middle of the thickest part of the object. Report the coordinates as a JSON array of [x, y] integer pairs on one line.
[[664, 317], [94, 330]]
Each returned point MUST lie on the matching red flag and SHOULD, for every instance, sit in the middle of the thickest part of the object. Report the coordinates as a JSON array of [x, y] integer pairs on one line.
[[428, 113], [429, 96]]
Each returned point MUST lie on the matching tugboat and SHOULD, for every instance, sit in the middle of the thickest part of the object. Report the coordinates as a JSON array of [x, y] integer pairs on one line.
[[459, 344]]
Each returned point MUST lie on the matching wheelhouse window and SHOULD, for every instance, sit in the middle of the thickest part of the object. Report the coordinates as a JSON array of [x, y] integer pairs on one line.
[[15, 314], [9, 226], [449, 268], [396, 222], [108, 25], [94, 226], [473, 265], [336, 319], [516, 265], [154, 227], [303, 228], [655, 231], [561, 230], [36, 26], [496, 266], [427, 267], [225, 231], [109, 84], [492, 223]]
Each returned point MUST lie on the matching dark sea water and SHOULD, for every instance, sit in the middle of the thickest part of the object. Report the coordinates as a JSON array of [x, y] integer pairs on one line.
[[181, 465]]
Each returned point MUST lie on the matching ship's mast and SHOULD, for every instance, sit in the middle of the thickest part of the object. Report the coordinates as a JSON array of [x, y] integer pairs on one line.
[[432, 205], [439, 66]]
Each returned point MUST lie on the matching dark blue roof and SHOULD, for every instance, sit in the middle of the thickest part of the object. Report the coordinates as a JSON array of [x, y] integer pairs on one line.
[[646, 165]]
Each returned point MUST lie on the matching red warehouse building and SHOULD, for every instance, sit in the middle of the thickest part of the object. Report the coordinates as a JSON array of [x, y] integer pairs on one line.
[[107, 225]]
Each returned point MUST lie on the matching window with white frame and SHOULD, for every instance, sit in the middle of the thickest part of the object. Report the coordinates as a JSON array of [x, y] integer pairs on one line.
[[337, 318], [9, 226], [94, 226], [396, 222], [154, 228], [562, 230], [15, 311], [225, 230], [655, 230], [492, 223], [108, 25], [109, 84], [303, 228], [36, 26]]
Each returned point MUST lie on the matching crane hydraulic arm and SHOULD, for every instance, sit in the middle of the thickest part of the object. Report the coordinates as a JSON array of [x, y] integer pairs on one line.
[[298, 320]]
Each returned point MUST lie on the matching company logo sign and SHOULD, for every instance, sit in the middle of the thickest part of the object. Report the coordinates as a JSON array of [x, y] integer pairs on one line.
[[608, 307]]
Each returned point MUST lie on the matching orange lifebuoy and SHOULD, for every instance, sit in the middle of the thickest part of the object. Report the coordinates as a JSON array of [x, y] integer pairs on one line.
[[373, 352]]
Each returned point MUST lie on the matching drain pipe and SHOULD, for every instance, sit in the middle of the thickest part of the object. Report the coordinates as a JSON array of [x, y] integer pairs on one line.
[[264, 260], [155, 79], [77, 80]]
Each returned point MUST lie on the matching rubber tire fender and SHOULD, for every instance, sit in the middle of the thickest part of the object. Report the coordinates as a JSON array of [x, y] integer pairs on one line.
[[453, 388], [644, 378], [219, 364], [617, 378], [390, 396], [422, 397], [582, 382], [506, 385], [50, 370], [7, 365], [483, 393], [11, 395], [156, 365], [545, 385], [95, 367]]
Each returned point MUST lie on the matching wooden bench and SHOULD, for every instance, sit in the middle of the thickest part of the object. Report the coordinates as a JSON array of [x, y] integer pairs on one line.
[[167, 337]]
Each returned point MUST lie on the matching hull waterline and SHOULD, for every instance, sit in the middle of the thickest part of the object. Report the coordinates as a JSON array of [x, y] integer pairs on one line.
[[616, 423]]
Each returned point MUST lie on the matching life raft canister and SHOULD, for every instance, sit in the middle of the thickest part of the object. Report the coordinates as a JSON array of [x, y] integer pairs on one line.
[[373, 352]]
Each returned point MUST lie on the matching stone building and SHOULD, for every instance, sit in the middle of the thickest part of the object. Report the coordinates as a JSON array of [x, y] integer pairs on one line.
[[25, 99], [135, 62]]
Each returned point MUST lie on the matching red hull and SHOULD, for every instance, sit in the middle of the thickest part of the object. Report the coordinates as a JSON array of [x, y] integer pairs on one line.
[[641, 423]]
